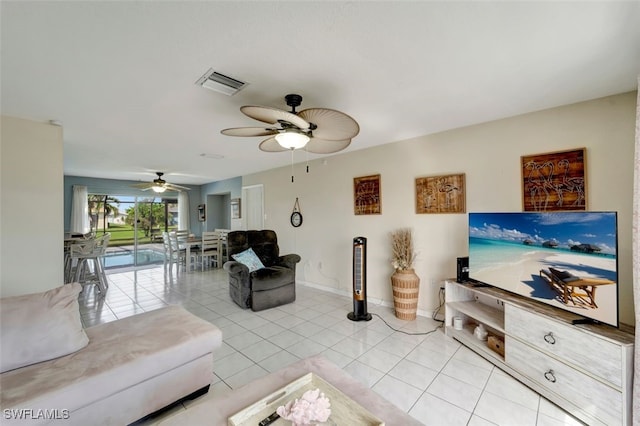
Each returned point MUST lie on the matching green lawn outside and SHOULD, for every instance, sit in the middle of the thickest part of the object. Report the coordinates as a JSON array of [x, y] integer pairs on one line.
[[124, 235]]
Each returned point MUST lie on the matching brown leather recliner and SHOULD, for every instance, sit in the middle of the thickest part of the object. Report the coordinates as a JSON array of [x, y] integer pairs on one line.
[[265, 288]]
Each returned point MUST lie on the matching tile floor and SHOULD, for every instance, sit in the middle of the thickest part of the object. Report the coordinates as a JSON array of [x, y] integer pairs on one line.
[[430, 376]]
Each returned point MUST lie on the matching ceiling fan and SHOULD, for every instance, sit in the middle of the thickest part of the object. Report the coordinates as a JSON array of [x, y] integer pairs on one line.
[[315, 130], [160, 185]]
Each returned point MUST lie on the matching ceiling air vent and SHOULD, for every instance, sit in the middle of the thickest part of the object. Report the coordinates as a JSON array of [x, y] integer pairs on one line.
[[215, 81]]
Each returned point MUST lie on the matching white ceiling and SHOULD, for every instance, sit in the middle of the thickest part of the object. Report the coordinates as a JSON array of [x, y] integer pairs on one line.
[[121, 76]]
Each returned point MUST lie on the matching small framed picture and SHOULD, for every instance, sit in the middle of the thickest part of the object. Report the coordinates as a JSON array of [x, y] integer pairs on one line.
[[366, 195], [235, 208], [440, 194], [202, 216], [554, 181]]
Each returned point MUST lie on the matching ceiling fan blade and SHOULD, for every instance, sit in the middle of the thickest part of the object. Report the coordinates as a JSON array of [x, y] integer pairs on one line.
[[144, 185], [174, 187], [324, 146], [271, 145], [273, 116], [332, 125], [249, 131]]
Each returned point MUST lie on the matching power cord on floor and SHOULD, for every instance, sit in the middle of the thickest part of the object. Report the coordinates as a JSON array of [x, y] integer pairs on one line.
[[433, 317], [406, 332], [437, 310]]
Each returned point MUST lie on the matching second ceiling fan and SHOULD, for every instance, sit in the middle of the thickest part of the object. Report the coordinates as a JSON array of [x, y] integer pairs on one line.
[[160, 185], [316, 130]]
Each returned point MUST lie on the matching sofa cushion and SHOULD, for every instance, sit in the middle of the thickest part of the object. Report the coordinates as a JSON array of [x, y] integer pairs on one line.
[[249, 259], [41, 326], [120, 354]]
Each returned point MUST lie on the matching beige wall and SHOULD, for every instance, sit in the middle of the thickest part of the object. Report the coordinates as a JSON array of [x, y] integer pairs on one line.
[[31, 206], [489, 155]]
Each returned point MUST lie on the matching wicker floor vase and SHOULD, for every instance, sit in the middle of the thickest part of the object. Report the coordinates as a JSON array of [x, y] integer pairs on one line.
[[406, 285]]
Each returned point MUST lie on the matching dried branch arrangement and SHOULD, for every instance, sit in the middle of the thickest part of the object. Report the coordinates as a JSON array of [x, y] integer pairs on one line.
[[402, 249]]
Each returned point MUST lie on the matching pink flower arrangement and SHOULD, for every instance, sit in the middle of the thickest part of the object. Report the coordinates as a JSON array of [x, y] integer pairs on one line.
[[312, 407]]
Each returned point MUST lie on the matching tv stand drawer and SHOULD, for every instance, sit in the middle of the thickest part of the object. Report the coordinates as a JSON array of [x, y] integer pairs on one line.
[[598, 399], [569, 343]]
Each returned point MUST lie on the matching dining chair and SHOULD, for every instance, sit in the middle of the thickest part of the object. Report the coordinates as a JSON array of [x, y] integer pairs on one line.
[[73, 238], [178, 252], [182, 235], [88, 254], [210, 248], [168, 258], [172, 253], [224, 256], [75, 251]]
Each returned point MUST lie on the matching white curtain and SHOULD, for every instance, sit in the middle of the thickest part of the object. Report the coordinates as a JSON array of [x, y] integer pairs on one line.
[[80, 210], [183, 211], [636, 264]]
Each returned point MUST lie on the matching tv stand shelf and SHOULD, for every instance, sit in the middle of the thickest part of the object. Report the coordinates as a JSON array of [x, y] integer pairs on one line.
[[466, 336], [484, 314], [586, 369]]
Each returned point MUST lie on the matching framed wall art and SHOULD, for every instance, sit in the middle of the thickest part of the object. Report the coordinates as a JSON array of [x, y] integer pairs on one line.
[[554, 181], [366, 195], [235, 208], [440, 194]]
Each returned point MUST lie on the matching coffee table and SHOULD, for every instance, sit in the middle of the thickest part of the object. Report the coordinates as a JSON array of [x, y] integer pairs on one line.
[[216, 410]]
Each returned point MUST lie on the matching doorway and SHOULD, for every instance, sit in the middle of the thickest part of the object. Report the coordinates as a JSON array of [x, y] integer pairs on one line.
[[218, 212]]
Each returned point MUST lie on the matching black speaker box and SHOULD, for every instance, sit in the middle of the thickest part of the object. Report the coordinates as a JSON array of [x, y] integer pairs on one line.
[[462, 269]]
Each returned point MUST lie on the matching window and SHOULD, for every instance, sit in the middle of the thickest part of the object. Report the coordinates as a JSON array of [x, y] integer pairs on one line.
[[132, 219]]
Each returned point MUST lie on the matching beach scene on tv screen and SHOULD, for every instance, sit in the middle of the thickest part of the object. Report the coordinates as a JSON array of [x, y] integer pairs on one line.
[[565, 259]]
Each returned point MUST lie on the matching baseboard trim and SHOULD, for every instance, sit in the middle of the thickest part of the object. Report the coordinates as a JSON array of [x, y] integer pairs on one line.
[[371, 301]]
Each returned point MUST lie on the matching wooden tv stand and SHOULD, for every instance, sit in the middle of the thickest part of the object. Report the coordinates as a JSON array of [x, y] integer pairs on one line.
[[586, 369]]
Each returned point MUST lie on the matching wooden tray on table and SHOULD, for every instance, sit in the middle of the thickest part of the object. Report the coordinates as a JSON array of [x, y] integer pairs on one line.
[[344, 411]]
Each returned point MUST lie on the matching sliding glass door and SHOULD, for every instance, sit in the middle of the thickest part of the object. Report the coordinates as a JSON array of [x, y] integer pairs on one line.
[[136, 225]]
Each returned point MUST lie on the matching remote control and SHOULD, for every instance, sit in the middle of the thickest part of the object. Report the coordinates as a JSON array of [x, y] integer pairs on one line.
[[268, 420]]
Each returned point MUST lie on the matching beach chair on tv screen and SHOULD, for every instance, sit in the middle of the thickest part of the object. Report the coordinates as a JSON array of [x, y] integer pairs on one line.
[[577, 290]]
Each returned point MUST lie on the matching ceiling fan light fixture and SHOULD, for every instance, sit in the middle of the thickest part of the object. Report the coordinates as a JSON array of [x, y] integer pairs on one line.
[[158, 189], [316, 130], [292, 139]]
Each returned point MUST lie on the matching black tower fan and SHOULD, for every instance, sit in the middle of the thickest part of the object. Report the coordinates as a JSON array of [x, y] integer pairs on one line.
[[359, 281]]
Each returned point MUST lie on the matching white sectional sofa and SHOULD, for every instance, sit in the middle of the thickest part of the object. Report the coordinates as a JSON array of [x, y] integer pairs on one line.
[[113, 374]]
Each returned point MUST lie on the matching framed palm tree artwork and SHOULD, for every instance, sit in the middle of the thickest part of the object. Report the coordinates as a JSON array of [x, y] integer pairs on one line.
[[440, 194], [554, 181]]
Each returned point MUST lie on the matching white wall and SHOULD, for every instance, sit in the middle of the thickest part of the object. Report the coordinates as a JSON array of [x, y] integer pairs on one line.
[[31, 207], [489, 154]]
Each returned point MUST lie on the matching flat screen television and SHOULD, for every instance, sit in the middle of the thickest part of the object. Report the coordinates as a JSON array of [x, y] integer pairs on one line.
[[564, 259]]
